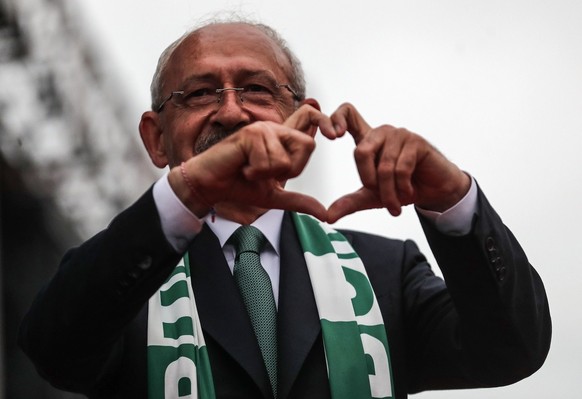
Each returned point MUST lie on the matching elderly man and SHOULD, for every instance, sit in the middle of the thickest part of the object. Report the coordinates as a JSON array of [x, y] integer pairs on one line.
[[179, 297]]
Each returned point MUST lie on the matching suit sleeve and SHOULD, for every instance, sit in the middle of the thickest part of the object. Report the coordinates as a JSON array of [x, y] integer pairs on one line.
[[74, 330], [490, 325]]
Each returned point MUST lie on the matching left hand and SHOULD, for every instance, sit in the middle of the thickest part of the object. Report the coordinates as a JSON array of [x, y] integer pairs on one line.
[[397, 168]]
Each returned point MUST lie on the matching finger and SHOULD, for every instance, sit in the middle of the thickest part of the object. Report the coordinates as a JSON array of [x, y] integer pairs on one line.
[[347, 118], [351, 203], [365, 156], [293, 201], [307, 119], [403, 173], [387, 160], [280, 152], [217, 164], [396, 169], [299, 148], [265, 156], [268, 157]]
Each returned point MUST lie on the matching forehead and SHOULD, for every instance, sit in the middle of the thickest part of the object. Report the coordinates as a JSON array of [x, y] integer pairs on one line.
[[223, 50]]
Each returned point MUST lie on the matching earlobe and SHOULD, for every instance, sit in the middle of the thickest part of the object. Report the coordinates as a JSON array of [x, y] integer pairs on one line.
[[313, 102], [152, 138]]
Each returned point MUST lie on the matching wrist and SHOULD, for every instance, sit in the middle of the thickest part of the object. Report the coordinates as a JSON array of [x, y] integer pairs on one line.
[[458, 219], [187, 192], [459, 192], [450, 194], [178, 222]]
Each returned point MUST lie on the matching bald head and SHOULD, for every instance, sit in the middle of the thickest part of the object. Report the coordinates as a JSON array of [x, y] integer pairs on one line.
[[232, 37]]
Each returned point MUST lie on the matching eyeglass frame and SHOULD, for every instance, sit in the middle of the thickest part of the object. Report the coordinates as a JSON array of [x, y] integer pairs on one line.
[[222, 90]]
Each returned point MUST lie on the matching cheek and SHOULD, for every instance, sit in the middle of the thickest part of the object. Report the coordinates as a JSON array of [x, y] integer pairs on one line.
[[286, 109], [181, 139], [278, 114]]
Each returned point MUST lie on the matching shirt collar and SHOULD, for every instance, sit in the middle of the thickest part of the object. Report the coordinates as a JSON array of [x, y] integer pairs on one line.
[[269, 223]]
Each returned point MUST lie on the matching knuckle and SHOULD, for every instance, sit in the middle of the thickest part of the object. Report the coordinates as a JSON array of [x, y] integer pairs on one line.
[[310, 144], [265, 126], [306, 108], [413, 137], [256, 129], [401, 168], [385, 128], [294, 171], [362, 152], [284, 163], [385, 170], [305, 141], [402, 171]]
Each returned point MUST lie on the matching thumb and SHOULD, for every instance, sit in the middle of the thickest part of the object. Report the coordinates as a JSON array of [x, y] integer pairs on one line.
[[359, 200], [294, 201]]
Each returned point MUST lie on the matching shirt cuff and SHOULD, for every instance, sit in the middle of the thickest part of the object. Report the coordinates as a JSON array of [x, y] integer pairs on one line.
[[457, 220], [179, 225]]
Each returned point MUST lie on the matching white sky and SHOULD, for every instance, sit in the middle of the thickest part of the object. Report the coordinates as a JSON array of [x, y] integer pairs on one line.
[[496, 85]]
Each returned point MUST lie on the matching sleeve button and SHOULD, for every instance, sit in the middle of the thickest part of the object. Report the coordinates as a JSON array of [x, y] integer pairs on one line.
[[490, 244], [145, 263]]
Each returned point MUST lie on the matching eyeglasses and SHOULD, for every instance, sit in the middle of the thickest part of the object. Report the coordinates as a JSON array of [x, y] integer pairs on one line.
[[250, 95]]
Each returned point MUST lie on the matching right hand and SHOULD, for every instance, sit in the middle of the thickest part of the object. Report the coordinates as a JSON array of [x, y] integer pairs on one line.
[[250, 167]]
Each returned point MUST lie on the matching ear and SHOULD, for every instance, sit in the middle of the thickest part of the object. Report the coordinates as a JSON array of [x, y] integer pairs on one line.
[[152, 137], [313, 102]]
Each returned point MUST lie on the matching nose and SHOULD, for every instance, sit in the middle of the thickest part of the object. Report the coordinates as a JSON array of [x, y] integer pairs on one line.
[[231, 112], [238, 90]]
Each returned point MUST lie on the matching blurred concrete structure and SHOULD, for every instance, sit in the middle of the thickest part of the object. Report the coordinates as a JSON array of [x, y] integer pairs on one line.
[[69, 160]]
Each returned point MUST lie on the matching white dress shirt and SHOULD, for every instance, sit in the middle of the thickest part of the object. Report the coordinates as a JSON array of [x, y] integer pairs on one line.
[[180, 225]]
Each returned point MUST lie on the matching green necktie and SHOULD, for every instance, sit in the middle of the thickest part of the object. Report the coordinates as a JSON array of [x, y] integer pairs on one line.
[[257, 293]]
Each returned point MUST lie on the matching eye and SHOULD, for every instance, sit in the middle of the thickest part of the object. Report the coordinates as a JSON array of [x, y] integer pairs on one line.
[[198, 93], [200, 96], [256, 88]]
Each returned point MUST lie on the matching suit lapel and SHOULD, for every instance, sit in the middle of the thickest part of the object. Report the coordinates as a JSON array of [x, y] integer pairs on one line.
[[223, 316], [220, 307], [298, 320]]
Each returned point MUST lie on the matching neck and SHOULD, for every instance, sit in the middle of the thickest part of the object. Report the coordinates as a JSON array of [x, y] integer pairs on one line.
[[238, 213]]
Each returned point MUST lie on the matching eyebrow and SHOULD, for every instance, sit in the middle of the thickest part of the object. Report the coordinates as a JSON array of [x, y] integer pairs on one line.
[[239, 75]]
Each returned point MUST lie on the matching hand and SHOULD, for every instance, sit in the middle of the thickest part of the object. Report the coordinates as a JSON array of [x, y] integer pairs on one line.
[[396, 168], [251, 166]]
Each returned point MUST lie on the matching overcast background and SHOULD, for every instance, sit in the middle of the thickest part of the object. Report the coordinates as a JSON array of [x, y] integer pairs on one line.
[[496, 85]]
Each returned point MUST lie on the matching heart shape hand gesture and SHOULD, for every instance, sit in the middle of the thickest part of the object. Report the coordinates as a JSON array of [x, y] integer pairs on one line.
[[246, 172]]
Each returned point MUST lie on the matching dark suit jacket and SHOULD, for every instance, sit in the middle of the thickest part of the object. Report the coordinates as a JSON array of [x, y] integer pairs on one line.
[[488, 326]]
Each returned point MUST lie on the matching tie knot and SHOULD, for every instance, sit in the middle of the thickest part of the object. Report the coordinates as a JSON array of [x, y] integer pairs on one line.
[[247, 238]]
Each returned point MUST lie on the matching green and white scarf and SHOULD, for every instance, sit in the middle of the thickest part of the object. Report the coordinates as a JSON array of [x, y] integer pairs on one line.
[[354, 336]]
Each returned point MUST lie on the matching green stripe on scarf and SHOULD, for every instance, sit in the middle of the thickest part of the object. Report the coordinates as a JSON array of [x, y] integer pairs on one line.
[[178, 364], [354, 335], [358, 361]]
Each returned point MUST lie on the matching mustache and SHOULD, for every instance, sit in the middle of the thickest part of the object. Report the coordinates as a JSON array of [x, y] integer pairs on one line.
[[214, 135]]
